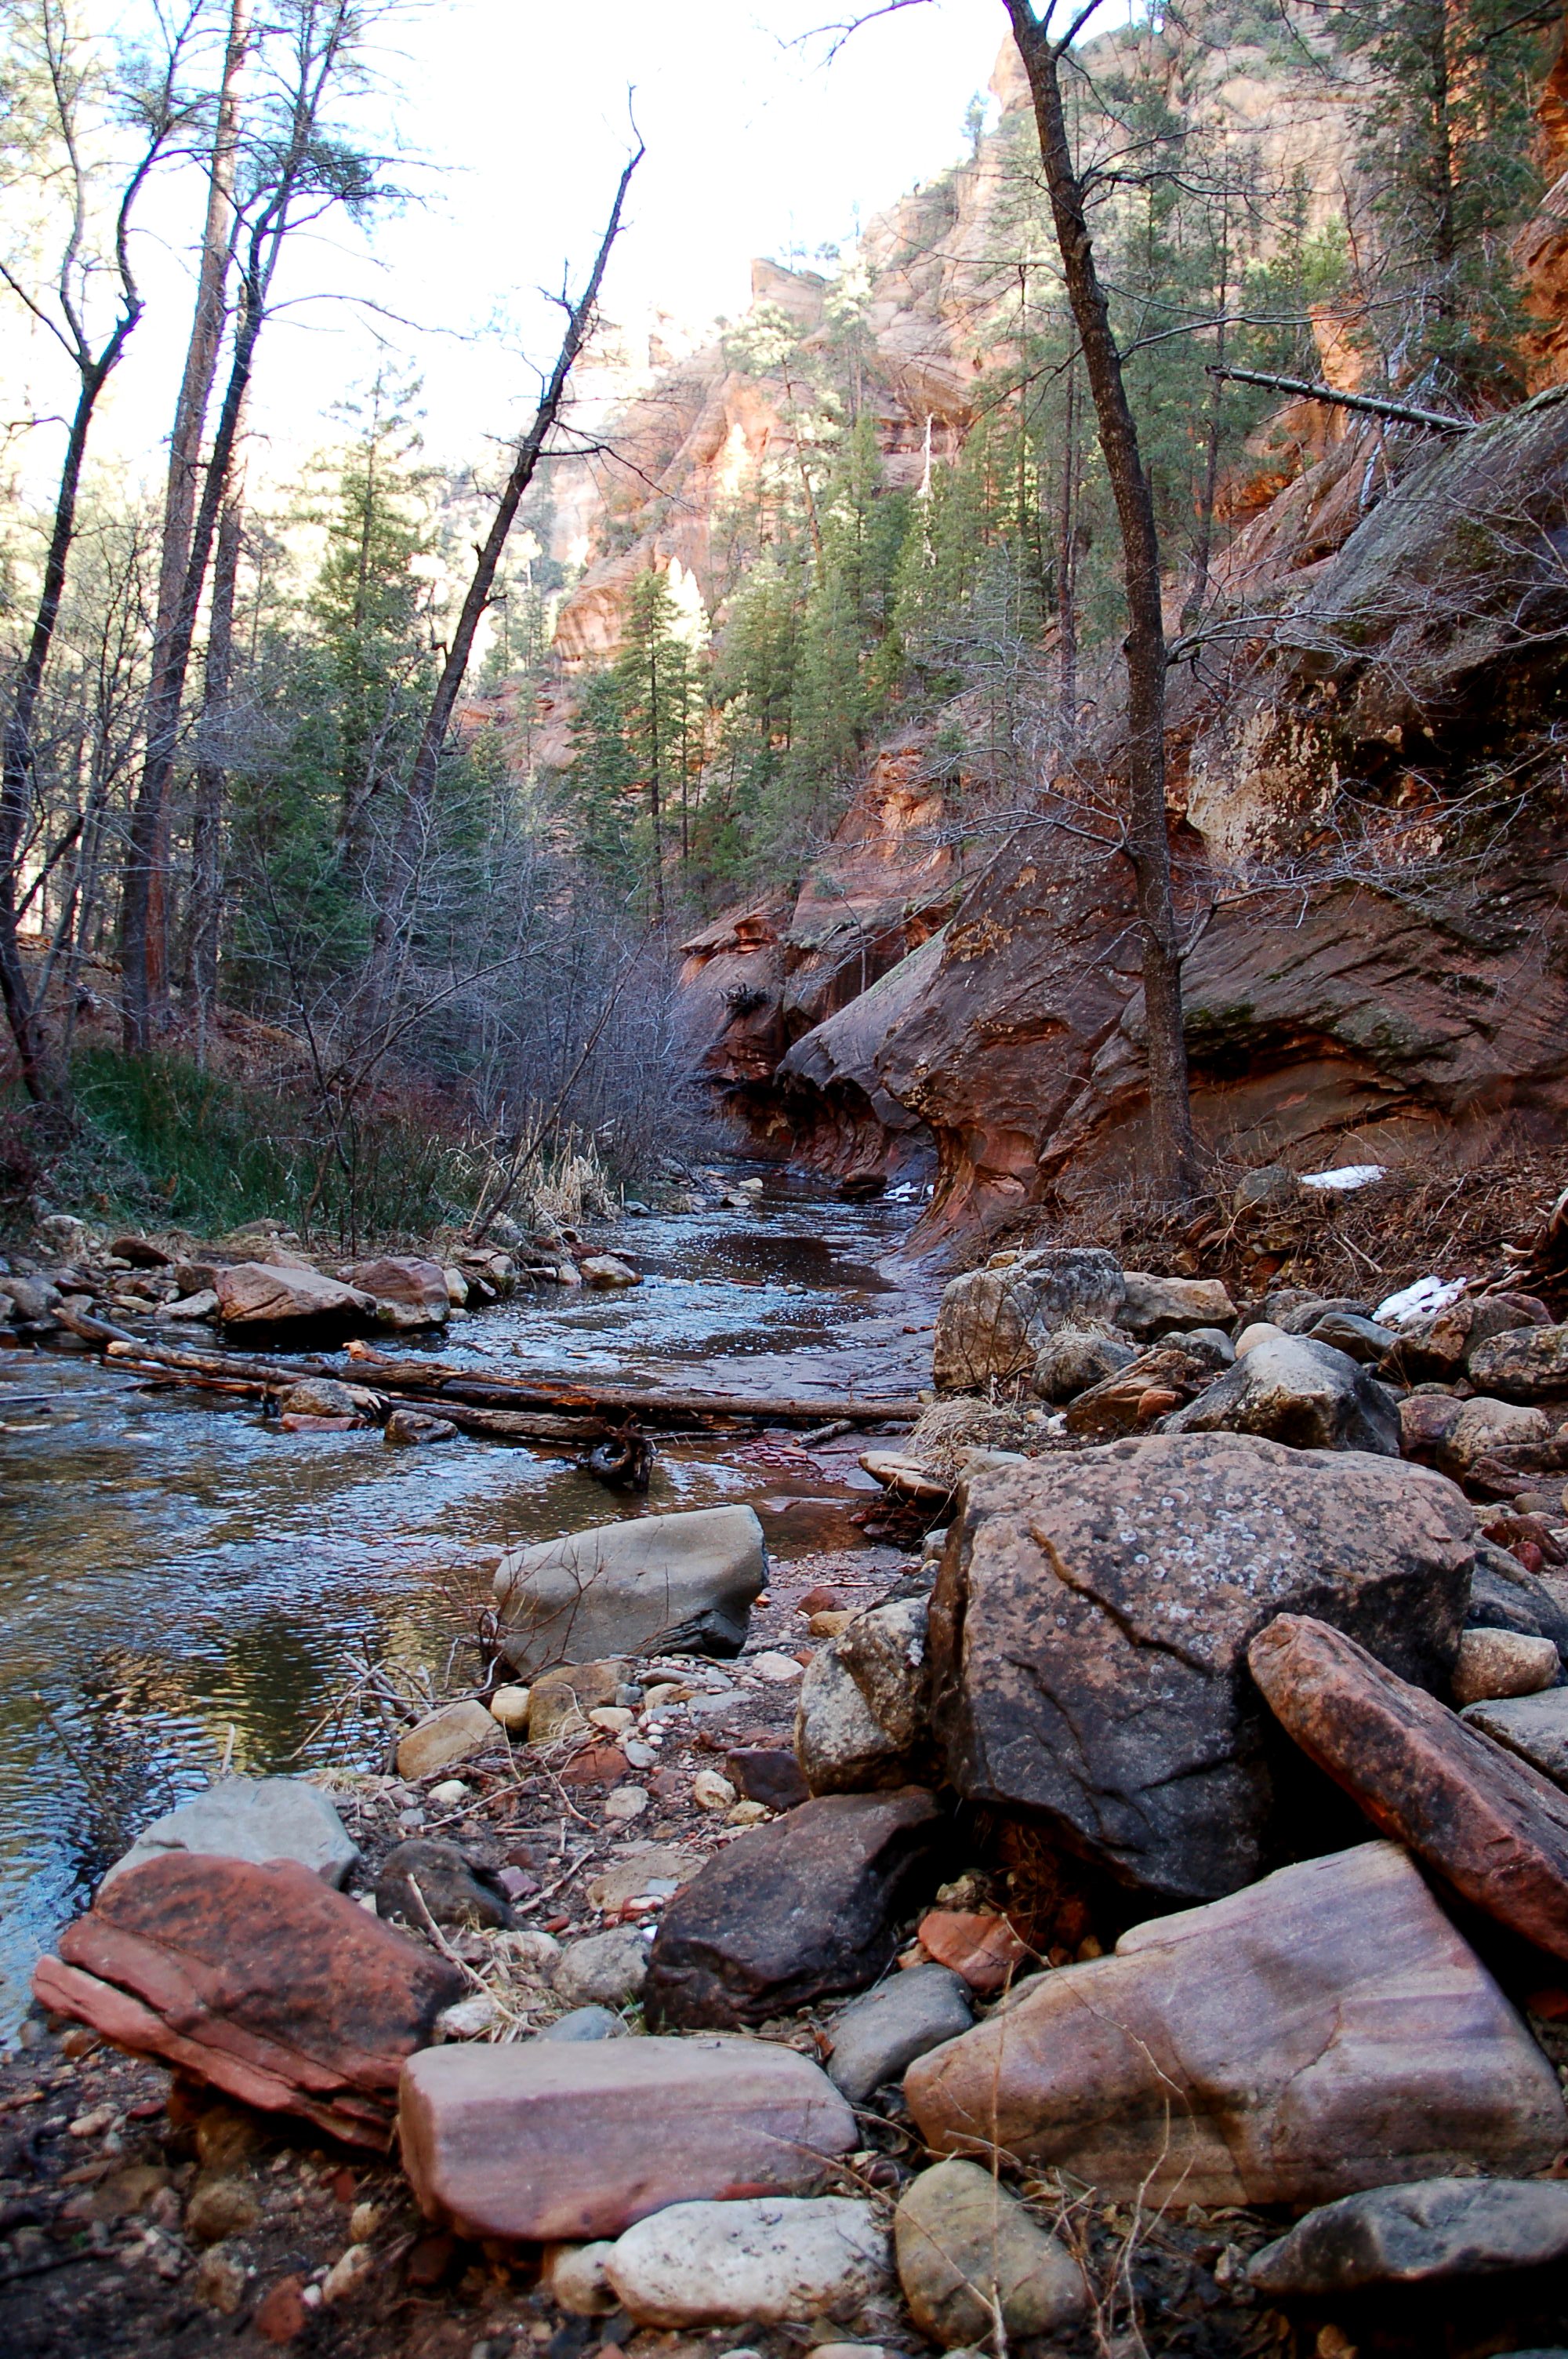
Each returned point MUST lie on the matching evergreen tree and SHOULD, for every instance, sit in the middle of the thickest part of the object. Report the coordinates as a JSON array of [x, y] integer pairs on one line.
[[1449, 141]]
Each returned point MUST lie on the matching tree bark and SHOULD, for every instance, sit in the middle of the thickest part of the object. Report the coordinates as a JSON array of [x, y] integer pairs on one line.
[[185, 456], [207, 818], [269, 229], [1173, 1155], [418, 803]]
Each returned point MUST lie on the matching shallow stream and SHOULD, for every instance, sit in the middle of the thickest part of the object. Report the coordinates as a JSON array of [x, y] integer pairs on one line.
[[180, 1581]]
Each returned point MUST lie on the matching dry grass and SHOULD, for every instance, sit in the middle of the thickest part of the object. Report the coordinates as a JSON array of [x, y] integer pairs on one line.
[[1424, 1215]]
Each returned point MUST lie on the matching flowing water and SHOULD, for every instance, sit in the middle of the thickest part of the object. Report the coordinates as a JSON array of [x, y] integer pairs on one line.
[[180, 1580]]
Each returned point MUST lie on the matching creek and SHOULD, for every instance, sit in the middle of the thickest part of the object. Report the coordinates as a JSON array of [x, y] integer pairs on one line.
[[182, 1582]]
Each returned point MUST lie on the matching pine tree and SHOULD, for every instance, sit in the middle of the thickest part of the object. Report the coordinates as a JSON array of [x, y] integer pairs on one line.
[[1449, 140]]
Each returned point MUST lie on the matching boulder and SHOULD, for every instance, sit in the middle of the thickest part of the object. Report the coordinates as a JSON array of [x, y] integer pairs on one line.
[[560, 1700], [1497, 1663], [1406, 2236], [1484, 1427], [967, 2249], [768, 1774], [1357, 1338], [795, 1911], [605, 1970], [1504, 1596], [1326, 2030], [1299, 1316], [567, 2140], [608, 1271], [681, 1583], [877, 2036], [1159, 1306], [407, 1292], [1489, 1825], [1535, 1728], [1528, 1364], [325, 1397], [1142, 1388], [267, 1294], [256, 1819], [410, 1426], [1291, 1389], [451, 1735], [422, 1876], [863, 1717], [992, 1323], [1073, 1358], [260, 1980], [794, 2258], [1090, 1624]]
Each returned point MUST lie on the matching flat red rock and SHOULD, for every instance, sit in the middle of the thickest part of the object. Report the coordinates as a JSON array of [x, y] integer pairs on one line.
[[260, 1980], [562, 2140], [1494, 1827]]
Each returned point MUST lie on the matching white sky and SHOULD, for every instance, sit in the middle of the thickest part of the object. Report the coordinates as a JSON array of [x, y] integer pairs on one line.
[[510, 117]]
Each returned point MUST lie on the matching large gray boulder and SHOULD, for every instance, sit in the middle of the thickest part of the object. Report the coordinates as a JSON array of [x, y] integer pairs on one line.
[[256, 1819], [992, 1323], [1073, 1358], [1289, 1388], [682, 1584], [1090, 1624]]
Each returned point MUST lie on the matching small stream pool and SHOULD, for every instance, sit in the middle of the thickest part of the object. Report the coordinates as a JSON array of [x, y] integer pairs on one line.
[[179, 1579]]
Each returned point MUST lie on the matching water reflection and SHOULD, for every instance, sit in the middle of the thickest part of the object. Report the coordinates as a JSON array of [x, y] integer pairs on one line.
[[178, 1578]]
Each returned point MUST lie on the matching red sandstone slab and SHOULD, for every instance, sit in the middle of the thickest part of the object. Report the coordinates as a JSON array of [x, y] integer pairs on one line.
[[1490, 1824], [556, 2140]]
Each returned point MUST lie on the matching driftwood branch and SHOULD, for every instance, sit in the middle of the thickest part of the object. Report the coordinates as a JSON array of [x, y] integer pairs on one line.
[[1365, 405], [463, 1394]]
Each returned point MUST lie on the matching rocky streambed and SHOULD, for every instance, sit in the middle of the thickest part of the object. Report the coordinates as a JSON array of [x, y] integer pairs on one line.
[[1135, 1920]]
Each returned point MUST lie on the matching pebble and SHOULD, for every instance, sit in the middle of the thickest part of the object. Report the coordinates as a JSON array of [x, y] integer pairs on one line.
[[585, 2023], [748, 1814], [449, 1793], [605, 1970], [779, 1668], [614, 1716], [510, 1707], [625, 1803], [711, 1792], [574, 2275], [639, 1756], [348, 2274], [965, 2248]]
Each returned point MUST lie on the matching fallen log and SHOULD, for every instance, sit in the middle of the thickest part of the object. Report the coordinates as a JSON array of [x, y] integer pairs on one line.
[[566, 1393]]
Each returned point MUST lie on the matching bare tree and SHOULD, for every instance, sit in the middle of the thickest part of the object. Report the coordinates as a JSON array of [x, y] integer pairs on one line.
[[401, 892], [69, 87], [300, 171], [208, 321], [1042, 52]]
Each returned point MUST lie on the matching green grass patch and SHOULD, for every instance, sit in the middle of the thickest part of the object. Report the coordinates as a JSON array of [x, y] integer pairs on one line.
[[158, 1137]]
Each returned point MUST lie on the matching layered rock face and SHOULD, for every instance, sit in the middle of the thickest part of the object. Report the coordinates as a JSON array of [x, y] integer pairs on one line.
[[1411, 984]]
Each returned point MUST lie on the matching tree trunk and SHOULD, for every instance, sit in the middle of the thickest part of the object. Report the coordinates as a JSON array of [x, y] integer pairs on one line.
[[185, 455], [419, 802], [1148, 845], [207, 823], [40, 1077]]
